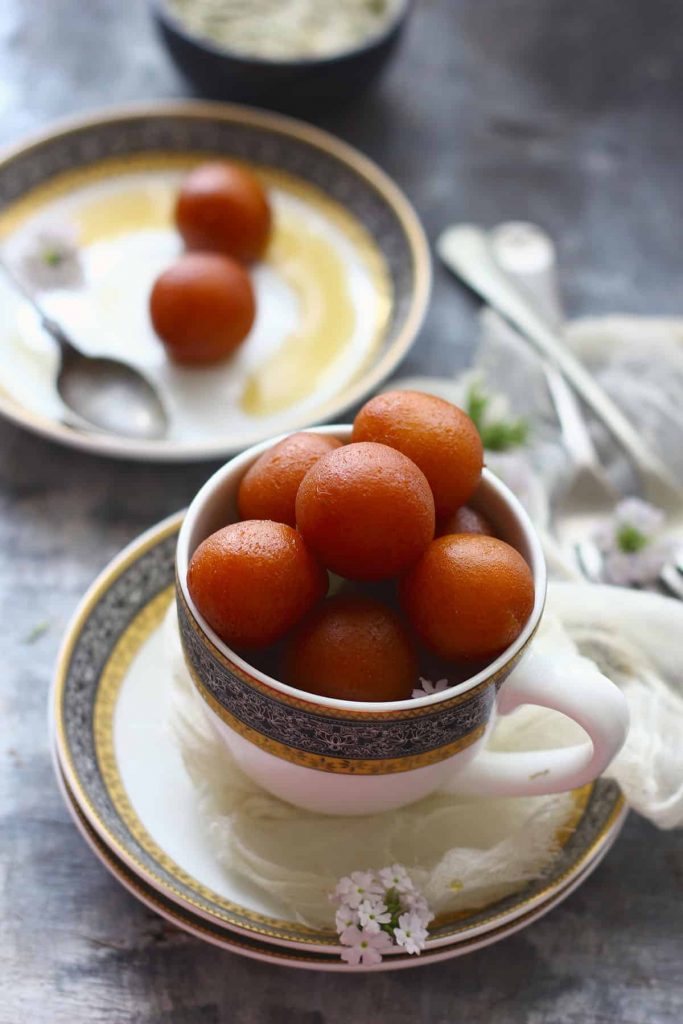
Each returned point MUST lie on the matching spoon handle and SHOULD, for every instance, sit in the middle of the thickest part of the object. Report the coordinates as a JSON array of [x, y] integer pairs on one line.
[[527, 255], [14, 278], [55, 330], [465, 251]]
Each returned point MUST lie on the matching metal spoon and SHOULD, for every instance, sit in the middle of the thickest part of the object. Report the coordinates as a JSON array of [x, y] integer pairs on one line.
[[527, 255], [465, 250], [101, 394], [590, 497]]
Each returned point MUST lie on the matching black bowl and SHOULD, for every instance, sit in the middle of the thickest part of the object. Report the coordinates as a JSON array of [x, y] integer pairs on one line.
[[296, 84]]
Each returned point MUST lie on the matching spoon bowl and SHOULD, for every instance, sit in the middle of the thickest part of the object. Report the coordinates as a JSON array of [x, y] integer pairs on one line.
[[110, 396], [101, 394]]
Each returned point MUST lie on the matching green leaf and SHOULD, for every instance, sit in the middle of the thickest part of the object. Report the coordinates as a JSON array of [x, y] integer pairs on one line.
[[498, 435], [502, 435], [393, 901], [36, 633], [477, 402]]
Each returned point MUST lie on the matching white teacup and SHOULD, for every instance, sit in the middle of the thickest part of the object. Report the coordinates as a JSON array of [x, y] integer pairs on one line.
[[349, 757]]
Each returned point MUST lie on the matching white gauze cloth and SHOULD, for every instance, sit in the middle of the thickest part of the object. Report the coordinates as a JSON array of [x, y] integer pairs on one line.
[[464, 852], [637, 360]]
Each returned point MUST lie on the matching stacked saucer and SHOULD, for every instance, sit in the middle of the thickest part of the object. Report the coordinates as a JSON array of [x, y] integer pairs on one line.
[[125, 785]]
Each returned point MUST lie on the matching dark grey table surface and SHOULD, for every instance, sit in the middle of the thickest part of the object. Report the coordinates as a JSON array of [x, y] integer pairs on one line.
[[565, 113]]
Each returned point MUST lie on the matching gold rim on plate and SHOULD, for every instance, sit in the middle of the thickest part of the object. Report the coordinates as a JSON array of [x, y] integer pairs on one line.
[[223, 910], [225, 939]]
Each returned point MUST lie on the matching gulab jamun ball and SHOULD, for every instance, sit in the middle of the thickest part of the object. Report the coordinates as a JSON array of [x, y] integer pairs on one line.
[[465, 520], [253, 581], [366, 511], [468, 597], [438, 436], [202, 307], [268, 489], [222, 207], [352, 648]]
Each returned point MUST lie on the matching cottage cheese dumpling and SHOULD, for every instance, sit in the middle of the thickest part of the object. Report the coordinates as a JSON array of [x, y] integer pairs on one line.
[[438, 436], [254, 581], [202, 307], [353, 648], [468, 596], [366, 511], [222, 207], [465, 520], [268, 489]]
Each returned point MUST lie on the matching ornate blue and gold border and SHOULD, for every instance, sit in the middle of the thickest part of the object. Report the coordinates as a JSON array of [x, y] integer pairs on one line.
[[344, 742], [117, 615]]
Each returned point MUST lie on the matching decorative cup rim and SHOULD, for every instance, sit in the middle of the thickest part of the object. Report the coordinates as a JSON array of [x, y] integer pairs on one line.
[[235, 468]]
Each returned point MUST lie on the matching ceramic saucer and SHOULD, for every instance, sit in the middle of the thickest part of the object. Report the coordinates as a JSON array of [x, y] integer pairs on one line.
[[127, 780], [230, 941]]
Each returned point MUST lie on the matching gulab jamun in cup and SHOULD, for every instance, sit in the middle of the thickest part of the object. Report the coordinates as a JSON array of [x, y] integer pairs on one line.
[[335, 755]]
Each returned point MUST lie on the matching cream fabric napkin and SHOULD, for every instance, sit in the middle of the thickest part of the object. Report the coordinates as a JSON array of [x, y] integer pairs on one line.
[[638, 360]]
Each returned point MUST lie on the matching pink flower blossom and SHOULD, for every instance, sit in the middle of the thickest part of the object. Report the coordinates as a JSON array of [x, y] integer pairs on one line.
[[372, 914], [427, 687], [396, 877], [345, 917], [363, 946], [356, 887], [411, 932]]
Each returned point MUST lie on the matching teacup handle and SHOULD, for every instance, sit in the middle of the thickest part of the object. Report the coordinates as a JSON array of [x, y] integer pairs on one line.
[[586, 696]]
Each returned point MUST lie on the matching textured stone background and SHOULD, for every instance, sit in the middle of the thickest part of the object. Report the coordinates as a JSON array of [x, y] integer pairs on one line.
[[566, 113]]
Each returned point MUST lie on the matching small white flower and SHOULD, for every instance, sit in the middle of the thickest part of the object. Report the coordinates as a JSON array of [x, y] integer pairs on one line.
[[639, 514], [427, 687], [363, 946], [50, 257], [375, 914], [345, 917], [354, 888], [633, 524], [396, 877], [640, 567], [417, 904], [631, 550], [411, 933], [372, 914], [515, 471]]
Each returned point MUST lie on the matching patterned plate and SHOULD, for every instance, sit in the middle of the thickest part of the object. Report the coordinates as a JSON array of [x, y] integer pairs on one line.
[[220, 935], [341, 291], [109, 721], [258, 949]]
